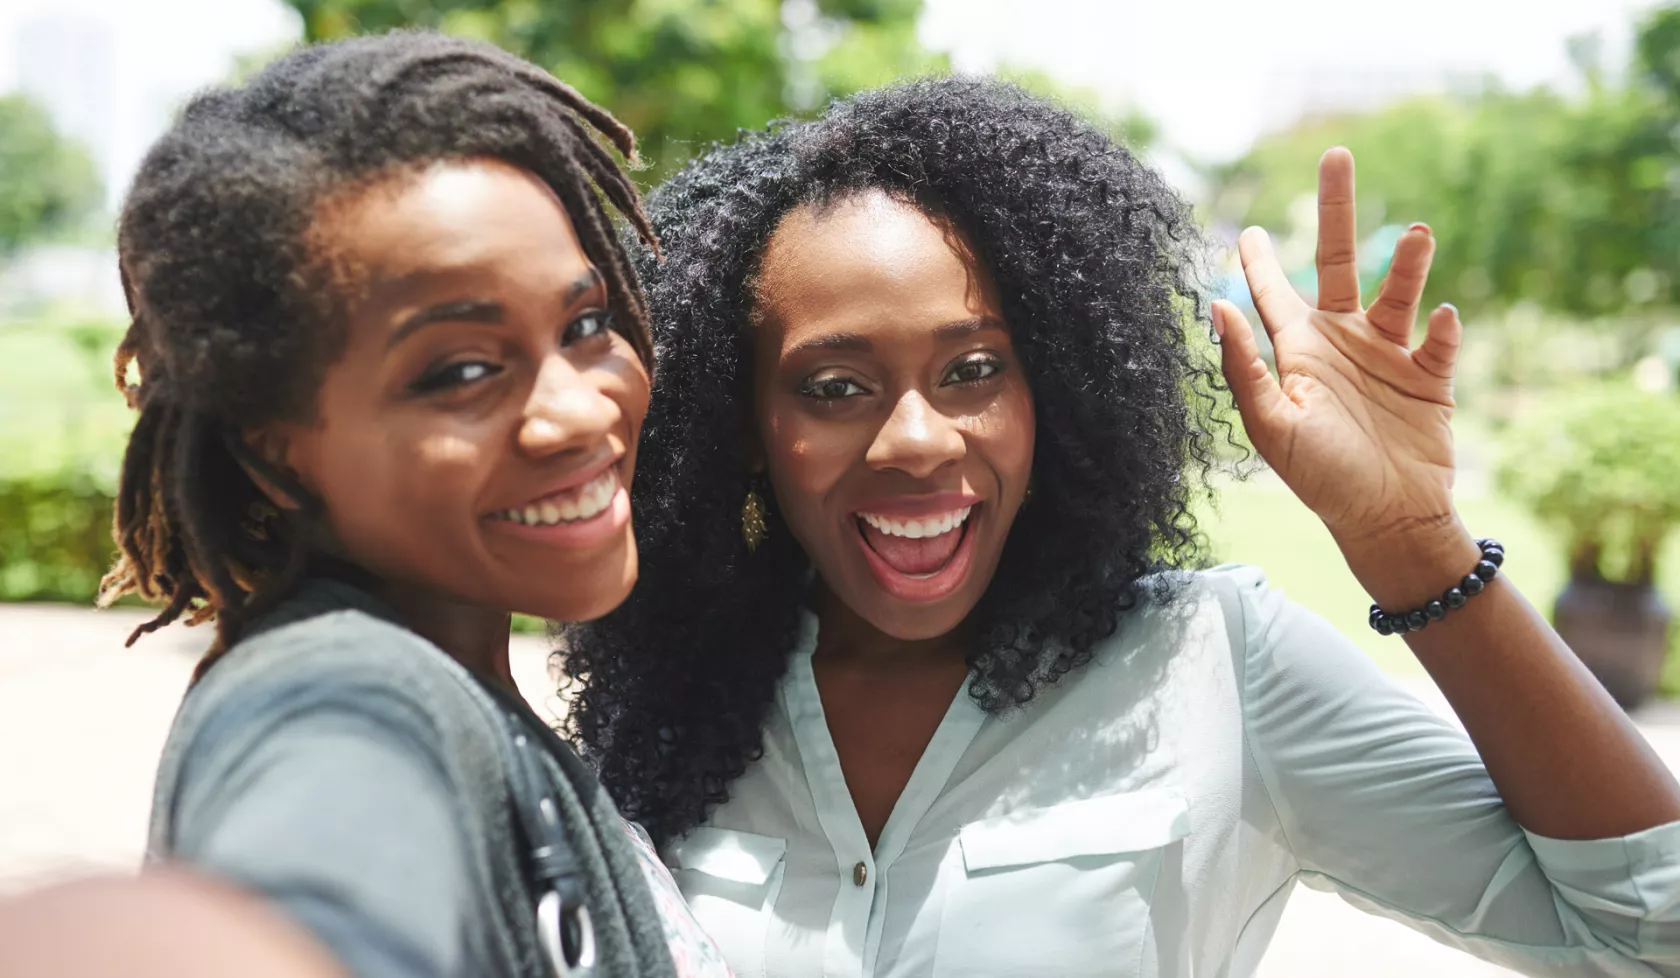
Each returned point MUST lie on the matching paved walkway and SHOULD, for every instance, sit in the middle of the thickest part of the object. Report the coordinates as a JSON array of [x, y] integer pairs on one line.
[[82, 721]]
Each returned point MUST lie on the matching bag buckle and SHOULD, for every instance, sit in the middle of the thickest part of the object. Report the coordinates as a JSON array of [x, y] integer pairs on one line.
[[566, 934]]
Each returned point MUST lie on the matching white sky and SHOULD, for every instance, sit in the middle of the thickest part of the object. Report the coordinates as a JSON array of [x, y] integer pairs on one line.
[[1213, 73]]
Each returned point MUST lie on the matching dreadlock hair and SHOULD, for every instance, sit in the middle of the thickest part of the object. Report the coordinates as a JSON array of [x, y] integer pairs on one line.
[[235, 316], [1098, 265]]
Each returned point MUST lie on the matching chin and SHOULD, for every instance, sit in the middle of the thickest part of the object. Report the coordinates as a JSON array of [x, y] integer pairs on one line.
[[917, 623], [584, 594]]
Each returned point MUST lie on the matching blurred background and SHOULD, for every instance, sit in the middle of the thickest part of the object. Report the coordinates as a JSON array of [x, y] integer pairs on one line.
[[1541, 141]]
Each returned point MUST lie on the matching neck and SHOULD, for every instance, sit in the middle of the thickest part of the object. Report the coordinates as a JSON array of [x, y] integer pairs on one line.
[[845, 638], [473, 635]]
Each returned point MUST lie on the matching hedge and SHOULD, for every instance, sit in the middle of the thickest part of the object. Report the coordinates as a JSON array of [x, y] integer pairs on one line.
[[55, 538]]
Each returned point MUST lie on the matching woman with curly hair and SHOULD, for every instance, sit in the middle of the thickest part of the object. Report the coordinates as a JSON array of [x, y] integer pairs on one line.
[[922, 677], [391, 362]]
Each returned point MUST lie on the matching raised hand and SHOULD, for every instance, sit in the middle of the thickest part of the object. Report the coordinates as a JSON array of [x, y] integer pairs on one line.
[[1357, 423]]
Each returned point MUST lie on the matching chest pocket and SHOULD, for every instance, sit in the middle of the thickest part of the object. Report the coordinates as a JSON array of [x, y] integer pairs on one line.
[[730, 880], [1059, 891]]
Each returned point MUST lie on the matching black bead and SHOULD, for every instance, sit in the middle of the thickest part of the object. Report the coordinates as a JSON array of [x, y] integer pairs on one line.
[[1398, 624], [1472, 584], [1416, 620], [1376, 612], [1381, 624], [1494, 556], [1435, 610], [1487, 570], [1454, 598]]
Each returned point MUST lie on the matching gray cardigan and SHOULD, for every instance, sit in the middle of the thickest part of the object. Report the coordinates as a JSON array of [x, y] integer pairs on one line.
[[359, 779]]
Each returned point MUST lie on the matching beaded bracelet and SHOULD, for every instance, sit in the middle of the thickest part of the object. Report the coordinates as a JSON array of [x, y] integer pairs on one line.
[[1493, 555]]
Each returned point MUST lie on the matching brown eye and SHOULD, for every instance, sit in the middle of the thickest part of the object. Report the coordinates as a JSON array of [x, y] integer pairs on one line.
[[831, 388], [973, 370], [591, 324], [454, 375]]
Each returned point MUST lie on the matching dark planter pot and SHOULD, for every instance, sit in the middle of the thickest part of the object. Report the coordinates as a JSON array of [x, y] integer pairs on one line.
[[1619, 630]]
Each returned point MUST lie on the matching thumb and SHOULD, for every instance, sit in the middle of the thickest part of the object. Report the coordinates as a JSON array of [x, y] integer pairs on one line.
[[1259, 399]]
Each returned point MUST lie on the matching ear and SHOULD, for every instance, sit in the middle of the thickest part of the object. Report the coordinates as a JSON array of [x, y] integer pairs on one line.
[[271, 446]]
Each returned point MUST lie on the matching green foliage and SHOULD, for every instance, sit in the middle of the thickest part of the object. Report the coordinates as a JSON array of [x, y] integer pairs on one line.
[[1657, 51], [55, 535], [48, 184], [1601, 464], [1532, 197], [62, 430], [1572, 203], [681, 73]]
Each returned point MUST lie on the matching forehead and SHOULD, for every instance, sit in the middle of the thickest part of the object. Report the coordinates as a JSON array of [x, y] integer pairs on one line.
[[866, 263], [455, 221]]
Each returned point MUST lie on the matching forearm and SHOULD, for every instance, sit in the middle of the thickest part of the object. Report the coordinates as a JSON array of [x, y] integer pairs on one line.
[[162, 925], [1566, 760]]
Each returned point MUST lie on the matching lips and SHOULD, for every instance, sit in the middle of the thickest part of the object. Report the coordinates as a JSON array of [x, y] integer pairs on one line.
[[580, 515], [922, 557]]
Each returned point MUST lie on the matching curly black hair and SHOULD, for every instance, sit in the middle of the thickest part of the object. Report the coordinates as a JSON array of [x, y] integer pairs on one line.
[[236, 311], [1099, 267]]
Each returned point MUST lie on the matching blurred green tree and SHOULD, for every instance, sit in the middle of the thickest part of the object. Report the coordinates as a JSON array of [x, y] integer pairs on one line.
[[681, 73], [1569, 202], [48, 184]]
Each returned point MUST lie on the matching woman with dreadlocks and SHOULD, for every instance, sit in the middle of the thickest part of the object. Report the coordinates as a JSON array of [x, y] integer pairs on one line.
[[391, 368], [921, 679]]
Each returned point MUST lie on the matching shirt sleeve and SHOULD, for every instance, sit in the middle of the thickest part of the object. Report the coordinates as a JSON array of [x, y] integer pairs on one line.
[[342, 818], [1389, 805]]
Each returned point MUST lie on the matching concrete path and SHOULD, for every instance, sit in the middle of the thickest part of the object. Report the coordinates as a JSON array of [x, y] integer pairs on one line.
[[82, 721]]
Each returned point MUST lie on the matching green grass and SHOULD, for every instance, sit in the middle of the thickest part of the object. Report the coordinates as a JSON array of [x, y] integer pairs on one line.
[[1269, 528], [58, 408]]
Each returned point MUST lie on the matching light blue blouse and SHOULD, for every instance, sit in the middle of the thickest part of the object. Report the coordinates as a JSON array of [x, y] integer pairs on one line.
[[1150, 815]]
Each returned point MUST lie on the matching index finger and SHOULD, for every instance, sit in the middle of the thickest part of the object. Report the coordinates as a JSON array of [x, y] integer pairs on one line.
[[1338, 265]]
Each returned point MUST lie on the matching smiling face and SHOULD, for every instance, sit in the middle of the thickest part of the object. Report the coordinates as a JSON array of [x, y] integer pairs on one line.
[[474, 442], [895, 420]]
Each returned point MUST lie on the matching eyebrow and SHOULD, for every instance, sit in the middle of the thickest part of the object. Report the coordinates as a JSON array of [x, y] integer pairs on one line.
[[482, 310], [861, 343]]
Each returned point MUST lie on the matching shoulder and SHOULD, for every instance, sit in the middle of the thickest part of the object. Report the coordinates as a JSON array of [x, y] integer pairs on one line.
[[344, 670], [326, 656], [1182, 606]]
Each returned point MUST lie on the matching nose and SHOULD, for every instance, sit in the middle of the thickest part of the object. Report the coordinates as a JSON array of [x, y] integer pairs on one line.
[[917, 439], [565, 412]]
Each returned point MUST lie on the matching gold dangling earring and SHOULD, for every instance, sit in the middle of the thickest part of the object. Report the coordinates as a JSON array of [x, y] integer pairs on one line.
[[753, 529]]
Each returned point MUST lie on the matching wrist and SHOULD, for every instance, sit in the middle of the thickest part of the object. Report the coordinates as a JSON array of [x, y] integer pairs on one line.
[[1405, 566]]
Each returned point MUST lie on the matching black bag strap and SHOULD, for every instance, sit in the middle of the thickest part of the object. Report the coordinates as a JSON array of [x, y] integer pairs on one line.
[[564, 928]]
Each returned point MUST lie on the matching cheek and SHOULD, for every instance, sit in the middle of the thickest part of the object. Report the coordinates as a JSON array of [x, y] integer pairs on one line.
[[806, 458], [630, 387], [1009, 429], [389, 481]]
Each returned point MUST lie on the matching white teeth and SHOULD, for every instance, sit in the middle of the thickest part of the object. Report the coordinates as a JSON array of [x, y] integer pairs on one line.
[[570, 507], [931, 526]]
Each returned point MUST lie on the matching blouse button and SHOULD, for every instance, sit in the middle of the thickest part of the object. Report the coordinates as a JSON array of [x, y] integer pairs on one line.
[[860, 874]]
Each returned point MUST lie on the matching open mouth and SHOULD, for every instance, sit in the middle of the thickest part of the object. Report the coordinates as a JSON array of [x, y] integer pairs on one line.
[[922, 558]]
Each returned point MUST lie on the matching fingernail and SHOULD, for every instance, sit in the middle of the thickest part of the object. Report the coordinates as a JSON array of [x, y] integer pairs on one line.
[[1420, 226], [1448, 305], [1218, 323]]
